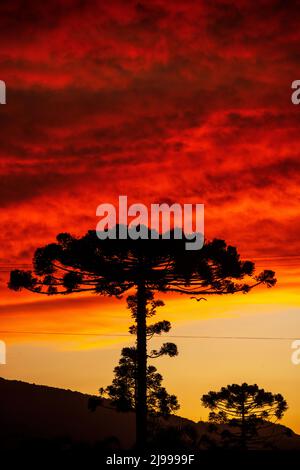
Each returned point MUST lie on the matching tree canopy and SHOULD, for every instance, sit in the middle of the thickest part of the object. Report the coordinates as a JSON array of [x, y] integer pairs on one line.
[[244, 407], [112, 267]]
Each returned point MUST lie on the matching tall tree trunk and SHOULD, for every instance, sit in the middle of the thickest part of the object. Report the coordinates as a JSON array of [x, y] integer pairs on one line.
[[141, 405]]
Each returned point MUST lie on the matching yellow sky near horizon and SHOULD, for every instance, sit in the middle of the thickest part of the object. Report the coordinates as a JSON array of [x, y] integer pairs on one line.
[[85, 362]]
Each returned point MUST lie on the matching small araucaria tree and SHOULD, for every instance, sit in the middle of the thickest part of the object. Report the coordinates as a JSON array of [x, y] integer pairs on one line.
[[123, 390], [112, 267], [246, 409]]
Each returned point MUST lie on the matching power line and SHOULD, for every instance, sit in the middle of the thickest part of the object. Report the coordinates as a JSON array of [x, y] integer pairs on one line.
[[64, 333]]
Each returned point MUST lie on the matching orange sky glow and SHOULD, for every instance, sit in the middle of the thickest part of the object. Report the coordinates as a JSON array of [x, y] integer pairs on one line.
[[185, 102]]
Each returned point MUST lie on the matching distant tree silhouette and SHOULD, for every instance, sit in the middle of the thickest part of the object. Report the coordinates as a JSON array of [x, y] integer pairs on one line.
[[122, 391], [247, 408], [112, 267]]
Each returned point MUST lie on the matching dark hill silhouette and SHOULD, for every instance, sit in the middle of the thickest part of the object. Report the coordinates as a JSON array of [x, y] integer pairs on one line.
[[31, 412], [41, 412]]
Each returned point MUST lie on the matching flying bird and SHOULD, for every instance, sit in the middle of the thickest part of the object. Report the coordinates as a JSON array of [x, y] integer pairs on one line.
[[200, 298]]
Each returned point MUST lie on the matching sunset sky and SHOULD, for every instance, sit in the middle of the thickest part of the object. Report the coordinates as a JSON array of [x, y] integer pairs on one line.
[[163, 101]]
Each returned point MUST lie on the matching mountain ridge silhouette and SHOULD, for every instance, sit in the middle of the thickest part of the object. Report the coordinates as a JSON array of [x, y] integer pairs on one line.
[[30, 411]]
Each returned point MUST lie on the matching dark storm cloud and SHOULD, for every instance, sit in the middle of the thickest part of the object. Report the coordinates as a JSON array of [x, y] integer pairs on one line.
[[194, 95]]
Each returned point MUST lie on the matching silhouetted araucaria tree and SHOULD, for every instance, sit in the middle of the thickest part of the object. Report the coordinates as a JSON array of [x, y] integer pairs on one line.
[[113, 267], [246, 409], [122, 391]]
